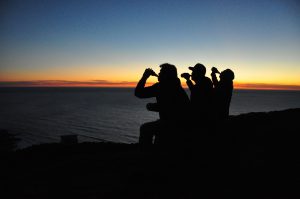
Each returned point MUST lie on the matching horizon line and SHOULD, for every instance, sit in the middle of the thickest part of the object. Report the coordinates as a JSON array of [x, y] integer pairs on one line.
[[131, 84]]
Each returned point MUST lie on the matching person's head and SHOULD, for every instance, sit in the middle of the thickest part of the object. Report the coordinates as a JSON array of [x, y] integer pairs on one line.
[[198, 71], [168, 72], [227, 75]]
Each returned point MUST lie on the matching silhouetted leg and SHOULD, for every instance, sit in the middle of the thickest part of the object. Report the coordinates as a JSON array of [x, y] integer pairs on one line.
[[147, 132]]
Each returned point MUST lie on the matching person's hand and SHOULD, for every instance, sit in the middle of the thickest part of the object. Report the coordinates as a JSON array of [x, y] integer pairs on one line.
[[148, 72], [152, 107], [214, 70], [186, 76]]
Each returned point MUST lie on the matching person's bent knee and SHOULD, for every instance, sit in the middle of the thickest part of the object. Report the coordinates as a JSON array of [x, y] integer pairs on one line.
[[144, 128], [146, 134]]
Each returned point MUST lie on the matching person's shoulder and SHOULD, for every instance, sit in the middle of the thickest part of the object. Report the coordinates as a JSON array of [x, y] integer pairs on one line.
[[155, 86], [208, 80]]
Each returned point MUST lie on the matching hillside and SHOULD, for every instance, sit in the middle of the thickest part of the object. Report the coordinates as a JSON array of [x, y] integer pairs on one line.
[[254, 155]]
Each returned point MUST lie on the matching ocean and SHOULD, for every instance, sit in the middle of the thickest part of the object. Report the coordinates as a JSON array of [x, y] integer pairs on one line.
[[42, 115]]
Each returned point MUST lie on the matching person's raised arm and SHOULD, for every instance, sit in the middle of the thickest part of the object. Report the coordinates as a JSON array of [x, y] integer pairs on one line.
[[187, 76], [144, 92], [214, 77]]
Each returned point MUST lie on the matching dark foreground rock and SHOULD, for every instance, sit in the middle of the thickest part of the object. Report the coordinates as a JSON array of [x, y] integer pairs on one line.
[[254, 155]]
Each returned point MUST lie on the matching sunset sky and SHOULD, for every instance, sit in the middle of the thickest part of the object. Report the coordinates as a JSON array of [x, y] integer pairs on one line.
[[110, 43]]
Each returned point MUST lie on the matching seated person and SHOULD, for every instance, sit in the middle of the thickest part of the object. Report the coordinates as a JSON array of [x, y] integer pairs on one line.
[[172, 103]]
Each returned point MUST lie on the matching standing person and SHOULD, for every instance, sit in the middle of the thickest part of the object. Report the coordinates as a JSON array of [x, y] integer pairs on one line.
[[172, 103], [201, 93], [222, 92]]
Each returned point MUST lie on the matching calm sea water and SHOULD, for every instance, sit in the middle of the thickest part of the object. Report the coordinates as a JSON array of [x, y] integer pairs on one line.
[[42, 115]]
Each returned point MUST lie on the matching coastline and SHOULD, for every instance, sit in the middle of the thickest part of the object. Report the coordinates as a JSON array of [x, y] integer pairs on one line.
[[255, 155]]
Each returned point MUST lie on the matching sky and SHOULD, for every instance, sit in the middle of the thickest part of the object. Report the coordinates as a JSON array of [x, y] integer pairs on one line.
[[110, 43]]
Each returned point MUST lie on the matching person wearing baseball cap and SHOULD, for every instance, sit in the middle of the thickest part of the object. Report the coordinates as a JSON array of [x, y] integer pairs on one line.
[[201, 93]]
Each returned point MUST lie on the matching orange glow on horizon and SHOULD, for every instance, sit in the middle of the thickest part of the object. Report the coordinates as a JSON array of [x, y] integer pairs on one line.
[[263, 86], [132, 84]]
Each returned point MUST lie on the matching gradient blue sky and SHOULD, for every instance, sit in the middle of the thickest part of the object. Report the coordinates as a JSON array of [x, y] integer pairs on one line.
[[116, 40]]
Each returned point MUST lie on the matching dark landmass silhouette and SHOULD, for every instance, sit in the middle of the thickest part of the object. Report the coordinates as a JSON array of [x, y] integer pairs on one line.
[[256, 155]]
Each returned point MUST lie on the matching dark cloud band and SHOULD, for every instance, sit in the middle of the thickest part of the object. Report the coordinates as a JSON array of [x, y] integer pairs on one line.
[[63, 83]]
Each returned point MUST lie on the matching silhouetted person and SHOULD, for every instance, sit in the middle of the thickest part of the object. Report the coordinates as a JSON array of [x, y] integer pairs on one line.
[[172, 103], [201, 93], [222, 92]]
